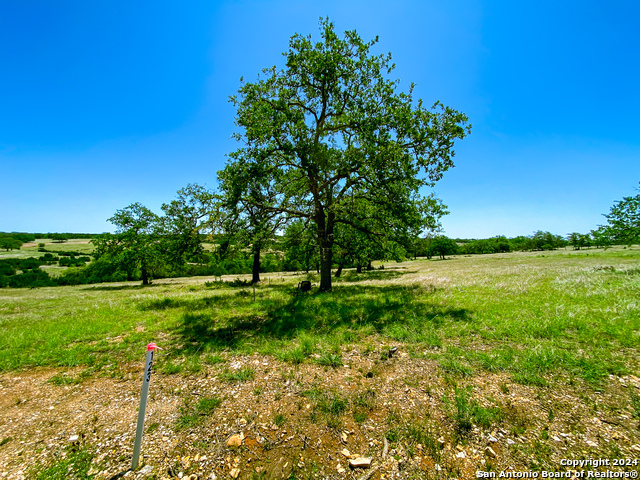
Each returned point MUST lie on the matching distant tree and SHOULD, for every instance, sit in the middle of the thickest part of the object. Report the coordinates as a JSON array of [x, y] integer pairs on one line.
[[251, 208], [546, 241], [600, 237], [300, 247], [59, 237], [442, 246], [9, 243], [135, 244], [184, 221], [624, 221]]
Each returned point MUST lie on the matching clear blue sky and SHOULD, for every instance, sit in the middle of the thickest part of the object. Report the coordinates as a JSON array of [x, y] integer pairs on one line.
[[103, 104]]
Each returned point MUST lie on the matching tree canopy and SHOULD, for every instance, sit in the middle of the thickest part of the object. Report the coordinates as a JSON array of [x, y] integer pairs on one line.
[[624, 221], [339, 144], [135, 244]]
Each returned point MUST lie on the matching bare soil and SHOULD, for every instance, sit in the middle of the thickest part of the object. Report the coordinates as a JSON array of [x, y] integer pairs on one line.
[[283, 434]]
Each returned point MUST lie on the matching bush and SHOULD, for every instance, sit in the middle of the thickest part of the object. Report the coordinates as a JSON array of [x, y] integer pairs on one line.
[[33, 278], [6, 269], [29, 264]]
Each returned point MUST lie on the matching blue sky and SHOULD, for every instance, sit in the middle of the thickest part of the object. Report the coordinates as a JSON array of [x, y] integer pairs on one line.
[[103, 104]]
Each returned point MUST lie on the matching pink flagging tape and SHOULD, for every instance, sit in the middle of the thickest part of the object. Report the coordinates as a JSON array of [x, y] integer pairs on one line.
[[153, 346]]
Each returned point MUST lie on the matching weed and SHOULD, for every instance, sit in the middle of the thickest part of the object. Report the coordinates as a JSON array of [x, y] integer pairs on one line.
[[295, 355], [450, 365], [466, 412], [212, 359], [72, 463], [635, 404], [366, 399], [191, 415], [61, 379], [153, 427], [279, 420], [207, 405], [171, 367], [328, 403], [242, 375], [192, 364], [330, 359], [359, 417]]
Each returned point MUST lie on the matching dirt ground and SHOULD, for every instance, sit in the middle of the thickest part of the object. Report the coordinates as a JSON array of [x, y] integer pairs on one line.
[[271, 427]]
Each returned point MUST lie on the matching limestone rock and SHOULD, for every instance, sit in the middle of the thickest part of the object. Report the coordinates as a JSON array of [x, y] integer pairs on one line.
[[235, 440], [489, 452], [362, 462]]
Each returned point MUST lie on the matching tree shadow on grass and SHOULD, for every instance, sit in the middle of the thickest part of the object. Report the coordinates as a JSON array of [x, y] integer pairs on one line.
[[108, 288], [353, 276], [400, 312], [215, 300]]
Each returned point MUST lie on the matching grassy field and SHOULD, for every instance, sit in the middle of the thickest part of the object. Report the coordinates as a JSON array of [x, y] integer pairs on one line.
[[532, 315], [547, 321], [79, 245]]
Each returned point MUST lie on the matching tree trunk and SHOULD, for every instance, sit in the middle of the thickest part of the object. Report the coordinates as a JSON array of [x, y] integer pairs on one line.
[[256, 264], [325, 236], [325, 268], [145, 275], [358, 268], [339, 271], [369, 266]]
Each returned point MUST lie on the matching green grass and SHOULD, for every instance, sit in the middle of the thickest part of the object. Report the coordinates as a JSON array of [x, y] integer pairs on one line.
[[466, 412], [529, 316], [75, 464], [192, 415], [279, 420], [241, 375]]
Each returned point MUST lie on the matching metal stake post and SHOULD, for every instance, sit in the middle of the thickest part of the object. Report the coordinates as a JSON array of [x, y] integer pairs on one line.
[[143, 406]]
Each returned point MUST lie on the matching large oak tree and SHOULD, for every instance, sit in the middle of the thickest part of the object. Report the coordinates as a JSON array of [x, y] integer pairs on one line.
[[338, 141]]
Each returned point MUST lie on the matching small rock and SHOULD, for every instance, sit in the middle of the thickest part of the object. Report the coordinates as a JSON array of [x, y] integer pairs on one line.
[[461, 455], [234, 473], [346, 453], [556, 438], [146, 470], [492, 439], [344, 437], [362, 462], [74, 439], [235, 440], [489, 452], [592, 444], [340, 469], [510, 442]]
